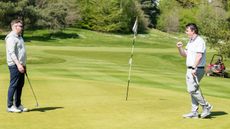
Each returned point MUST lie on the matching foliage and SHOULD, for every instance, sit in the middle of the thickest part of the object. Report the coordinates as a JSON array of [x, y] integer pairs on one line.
[[130, 10], [189, 3], [55, 14], [169, 16], [151, 11], [100, 15], [214, 25], [24, 9], [111, 15], [187, 16]]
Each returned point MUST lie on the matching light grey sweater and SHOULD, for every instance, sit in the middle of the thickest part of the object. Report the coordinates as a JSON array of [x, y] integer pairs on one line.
[[15, 49]]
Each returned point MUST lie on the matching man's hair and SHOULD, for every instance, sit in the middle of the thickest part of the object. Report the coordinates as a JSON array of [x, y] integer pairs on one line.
[[193, 27], [16, 21]]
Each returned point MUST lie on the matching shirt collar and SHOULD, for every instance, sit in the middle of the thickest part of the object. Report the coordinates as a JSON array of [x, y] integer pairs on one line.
[[193, 38], [15, 34]]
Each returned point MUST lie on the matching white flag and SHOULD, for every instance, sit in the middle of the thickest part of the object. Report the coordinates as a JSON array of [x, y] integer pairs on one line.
[[135, 26]]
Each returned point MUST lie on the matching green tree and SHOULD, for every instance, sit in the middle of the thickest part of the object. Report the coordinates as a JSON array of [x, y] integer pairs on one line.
[[130, 10], [189, 3], [100, 15], [57, 14], [23, 9], [213, 21], [151, 11], [54, 14], [168, 20], [111, 15]]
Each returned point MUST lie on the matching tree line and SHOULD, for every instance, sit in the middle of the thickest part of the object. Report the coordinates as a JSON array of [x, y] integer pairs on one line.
[[212, 16], [99, 15]]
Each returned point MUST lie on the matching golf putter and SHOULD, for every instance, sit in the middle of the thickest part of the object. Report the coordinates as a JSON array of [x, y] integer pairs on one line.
[[32, 91], [196, 80]]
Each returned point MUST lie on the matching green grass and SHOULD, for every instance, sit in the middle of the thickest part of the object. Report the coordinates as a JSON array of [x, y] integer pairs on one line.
[[81, 82]]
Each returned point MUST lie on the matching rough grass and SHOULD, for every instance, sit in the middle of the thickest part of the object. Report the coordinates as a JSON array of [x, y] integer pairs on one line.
[[81, 82]]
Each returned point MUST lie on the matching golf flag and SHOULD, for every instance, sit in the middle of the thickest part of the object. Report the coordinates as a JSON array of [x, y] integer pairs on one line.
[[135, 26]]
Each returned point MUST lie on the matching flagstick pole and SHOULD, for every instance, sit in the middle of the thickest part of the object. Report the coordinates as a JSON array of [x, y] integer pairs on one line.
[[130, 67], [131, 57]]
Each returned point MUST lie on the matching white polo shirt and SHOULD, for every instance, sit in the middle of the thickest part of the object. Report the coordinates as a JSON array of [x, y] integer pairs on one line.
[[193, 47]]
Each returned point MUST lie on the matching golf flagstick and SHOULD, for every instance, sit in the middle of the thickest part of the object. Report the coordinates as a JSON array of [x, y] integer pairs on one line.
[[135, 26], [32, 90]]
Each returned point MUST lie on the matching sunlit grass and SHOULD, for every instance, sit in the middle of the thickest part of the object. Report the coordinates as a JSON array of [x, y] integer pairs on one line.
[[81, 83]]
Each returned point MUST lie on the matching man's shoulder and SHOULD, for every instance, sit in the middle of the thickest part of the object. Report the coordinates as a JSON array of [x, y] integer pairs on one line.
[[11, 36], [200, 38]]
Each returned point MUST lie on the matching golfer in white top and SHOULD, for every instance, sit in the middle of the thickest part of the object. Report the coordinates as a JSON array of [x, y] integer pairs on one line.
[[195, 53]]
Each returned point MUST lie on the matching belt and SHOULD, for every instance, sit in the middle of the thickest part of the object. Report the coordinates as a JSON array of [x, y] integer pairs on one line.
[[199, 67]]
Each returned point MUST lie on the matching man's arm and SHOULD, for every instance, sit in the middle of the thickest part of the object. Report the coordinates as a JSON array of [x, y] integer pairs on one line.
[[197, 61], [11, 50], [181, 50]]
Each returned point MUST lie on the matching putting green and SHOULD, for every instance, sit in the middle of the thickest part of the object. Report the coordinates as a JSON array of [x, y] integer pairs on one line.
[[81, 84]]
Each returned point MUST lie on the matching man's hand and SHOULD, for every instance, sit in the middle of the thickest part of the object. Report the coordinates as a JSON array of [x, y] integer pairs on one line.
[[179, 44], [181, 50], [194, 72], [21, 68]]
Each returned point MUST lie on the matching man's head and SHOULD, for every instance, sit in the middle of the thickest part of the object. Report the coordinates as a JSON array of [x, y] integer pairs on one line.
[[17, 26], [191, 29]]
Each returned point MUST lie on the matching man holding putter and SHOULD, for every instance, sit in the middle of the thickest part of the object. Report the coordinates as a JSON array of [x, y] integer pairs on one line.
[[195, 53], [16, 60]]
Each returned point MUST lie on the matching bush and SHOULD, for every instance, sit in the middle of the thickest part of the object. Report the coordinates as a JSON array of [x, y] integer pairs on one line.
[[111, 15], [169, 16], [186, 16]]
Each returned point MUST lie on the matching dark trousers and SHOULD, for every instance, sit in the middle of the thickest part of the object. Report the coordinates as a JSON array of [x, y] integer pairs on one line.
[[15, 89]]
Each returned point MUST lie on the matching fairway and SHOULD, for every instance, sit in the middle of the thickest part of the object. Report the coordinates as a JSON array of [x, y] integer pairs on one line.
[[81, 83]]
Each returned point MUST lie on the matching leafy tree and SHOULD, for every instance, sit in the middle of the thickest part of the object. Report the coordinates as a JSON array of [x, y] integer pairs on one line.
[[54, 14], [213, 21], [111, 15], [23, 9], [100, 15], [169, 16], [151, 11], [130, 10], [57, 14], [187, 16], [189, 3]]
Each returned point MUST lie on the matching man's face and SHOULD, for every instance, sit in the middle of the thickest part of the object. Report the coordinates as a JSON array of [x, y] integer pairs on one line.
[[189, 32], [18, 27]]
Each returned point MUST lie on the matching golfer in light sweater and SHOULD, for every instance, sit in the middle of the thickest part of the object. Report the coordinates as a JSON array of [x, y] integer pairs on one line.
[[16, 60]]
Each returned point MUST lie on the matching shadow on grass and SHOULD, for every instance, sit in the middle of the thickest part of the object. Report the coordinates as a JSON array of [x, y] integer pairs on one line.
[[214, 114], [51, 36], [44, 109], [46, 37], [2, 37]]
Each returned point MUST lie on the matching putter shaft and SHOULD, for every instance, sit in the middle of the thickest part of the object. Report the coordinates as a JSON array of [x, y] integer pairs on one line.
[[32, 90]]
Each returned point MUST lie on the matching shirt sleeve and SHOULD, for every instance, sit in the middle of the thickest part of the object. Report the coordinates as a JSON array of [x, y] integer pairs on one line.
[[10, 46], [200, 46]]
